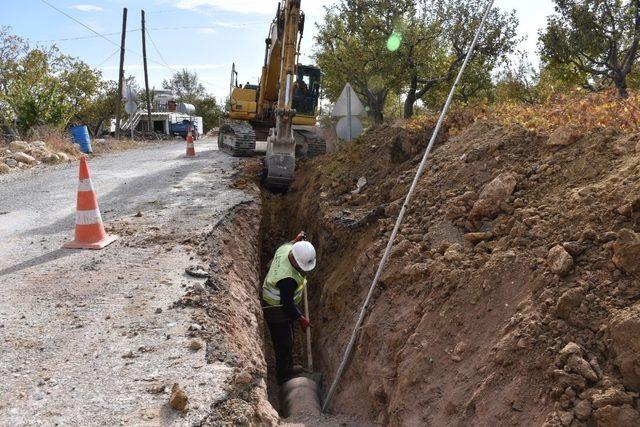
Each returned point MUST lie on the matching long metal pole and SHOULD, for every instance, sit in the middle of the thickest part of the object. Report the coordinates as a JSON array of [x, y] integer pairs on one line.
[[121, 72], [349, 119], [309, 348], [146, 72], [416, 179]]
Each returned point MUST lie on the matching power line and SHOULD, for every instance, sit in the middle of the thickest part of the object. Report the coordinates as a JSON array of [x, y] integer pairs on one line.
[[83, 37], [108, 58]]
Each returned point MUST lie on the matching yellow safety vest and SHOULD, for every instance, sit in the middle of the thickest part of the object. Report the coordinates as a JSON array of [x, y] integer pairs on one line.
[[280, 269]]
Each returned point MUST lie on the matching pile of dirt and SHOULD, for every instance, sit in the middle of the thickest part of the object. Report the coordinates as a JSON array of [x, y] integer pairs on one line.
[[19, 155], [511, 295]]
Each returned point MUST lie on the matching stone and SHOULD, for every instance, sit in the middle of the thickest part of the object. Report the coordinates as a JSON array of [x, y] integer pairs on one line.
[[560, 261], [24, 158], [243, 378], [478, 237], [563, 136], [51, 159], [493, 195], [12, 163], [178, 399], [195, 345], [565, 417], [618, 416], [38, 144], [569, 349], [569, 302], [19, 146], [64, 157], [580, 366], [4, 168], [566, 379], [611, 396], [583, 410], [574, 248], [623, 331], [626, 251]]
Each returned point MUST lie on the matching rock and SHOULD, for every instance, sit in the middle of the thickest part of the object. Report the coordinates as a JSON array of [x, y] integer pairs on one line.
[[178, 399], [243, 378], [618, 416], [569, 302], [158, 310], [560, 261], [563, 136], [129, 355], [4, 168], [19, 146], [195, 345], [569, 349], [38, 144], [196, 271], [566, 379], [362, 182], [195, 327], [478, 237], [580, 366], [12, 163], [51, 159], [64, 157], [24, 158], [565, 417], [583, 410], [611, 396], [623, 331], [493, 195], [626, 251], [574, 248], [453, 253]]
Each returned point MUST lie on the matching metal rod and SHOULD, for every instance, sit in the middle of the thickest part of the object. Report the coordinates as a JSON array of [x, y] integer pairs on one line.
[[121, 72], [383, 261]]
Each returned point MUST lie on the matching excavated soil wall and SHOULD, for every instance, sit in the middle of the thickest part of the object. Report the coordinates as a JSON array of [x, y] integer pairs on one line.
[[511, 295]]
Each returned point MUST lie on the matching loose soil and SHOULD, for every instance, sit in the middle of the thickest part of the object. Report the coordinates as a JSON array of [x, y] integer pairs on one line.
[[511, 295]]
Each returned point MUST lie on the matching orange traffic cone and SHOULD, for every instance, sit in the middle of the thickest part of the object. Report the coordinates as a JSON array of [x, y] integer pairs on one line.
[[90, 232], [191, 151]]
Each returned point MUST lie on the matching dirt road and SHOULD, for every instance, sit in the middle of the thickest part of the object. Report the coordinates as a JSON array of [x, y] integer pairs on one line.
[[94, 338]]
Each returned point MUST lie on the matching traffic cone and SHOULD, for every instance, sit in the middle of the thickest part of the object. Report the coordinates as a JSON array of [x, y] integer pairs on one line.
[[191, 151], [90, 232]]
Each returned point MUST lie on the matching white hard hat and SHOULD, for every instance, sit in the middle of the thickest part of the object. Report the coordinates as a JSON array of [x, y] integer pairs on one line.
[[305, 255]]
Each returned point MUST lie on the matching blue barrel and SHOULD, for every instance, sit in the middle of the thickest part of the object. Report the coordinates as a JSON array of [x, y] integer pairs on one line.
[[81, 136]]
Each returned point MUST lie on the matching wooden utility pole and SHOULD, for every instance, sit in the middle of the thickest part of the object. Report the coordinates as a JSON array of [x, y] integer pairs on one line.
[[121, 72], [146, 73]]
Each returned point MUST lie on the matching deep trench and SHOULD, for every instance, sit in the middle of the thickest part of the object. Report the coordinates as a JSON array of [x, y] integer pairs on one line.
[[276, 228]]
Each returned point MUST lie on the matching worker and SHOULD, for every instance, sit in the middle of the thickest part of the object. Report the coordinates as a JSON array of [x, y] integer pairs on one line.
[[301, 87], [281, 292]]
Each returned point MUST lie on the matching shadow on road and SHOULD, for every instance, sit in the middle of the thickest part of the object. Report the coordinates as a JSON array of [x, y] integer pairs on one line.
[[119, 199], [42, 259]]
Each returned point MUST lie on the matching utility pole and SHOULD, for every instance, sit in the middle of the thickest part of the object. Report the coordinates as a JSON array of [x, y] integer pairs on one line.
[[146, 73], [121, 72]]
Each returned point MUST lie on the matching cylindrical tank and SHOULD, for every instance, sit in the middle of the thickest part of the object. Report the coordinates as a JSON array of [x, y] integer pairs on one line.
[[184, 108], [81, 136]]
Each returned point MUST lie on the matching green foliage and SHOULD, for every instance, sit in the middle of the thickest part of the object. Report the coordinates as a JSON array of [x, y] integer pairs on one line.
[[186, 86], [42, 86], [210, 111], [594, 42]]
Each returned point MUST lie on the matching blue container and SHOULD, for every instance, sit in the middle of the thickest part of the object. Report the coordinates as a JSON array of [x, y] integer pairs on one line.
[[81, 136]]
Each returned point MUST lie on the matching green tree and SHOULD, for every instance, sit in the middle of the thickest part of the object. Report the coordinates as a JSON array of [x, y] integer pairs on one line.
[[210, 111], [186, 86], [594, 38]]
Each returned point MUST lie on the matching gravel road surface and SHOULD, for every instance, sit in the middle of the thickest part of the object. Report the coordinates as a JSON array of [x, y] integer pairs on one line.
[[93, 337]]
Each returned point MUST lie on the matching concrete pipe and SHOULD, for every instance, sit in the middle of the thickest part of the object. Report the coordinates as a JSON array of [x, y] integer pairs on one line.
[[300, 396]]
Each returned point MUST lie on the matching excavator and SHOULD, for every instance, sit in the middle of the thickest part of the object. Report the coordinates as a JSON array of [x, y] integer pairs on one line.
[[282, 108]]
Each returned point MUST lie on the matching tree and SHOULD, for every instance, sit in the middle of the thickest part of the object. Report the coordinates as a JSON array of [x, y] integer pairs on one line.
[[210, 111], [352, 47], [596, 38], [186, 86]]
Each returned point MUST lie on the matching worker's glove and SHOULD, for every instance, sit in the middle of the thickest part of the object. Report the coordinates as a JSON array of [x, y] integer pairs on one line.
[[301, 236], [304, 323]]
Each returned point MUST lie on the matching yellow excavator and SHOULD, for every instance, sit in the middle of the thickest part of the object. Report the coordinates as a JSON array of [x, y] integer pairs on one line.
[[282, 108]]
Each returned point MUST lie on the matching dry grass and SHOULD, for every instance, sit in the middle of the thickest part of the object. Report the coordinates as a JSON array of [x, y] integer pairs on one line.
[[583, 110]]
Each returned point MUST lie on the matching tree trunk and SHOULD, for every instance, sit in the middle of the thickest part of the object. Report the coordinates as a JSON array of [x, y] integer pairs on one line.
[[411, 97], [621, 84], [376, 103]]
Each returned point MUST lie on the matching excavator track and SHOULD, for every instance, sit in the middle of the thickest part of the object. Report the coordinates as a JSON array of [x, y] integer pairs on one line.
[[309, 144], [237, 139]]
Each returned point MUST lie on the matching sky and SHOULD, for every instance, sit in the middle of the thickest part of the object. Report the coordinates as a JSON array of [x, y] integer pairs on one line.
[[205, 36]]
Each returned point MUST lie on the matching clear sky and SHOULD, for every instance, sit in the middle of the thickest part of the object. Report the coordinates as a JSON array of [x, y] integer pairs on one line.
[[203, 35]]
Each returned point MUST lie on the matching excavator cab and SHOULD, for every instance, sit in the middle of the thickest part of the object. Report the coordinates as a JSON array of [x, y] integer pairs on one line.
[[306, 92]]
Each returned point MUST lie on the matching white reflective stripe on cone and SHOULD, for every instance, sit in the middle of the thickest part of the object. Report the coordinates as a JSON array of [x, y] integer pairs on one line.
[[88, 217], [85, 185]]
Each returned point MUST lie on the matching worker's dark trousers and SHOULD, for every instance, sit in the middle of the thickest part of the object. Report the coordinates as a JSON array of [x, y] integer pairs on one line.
[[281, 330]]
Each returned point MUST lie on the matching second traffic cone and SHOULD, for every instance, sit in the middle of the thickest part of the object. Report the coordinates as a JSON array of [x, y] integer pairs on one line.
[[191, 150], [90, 232]]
